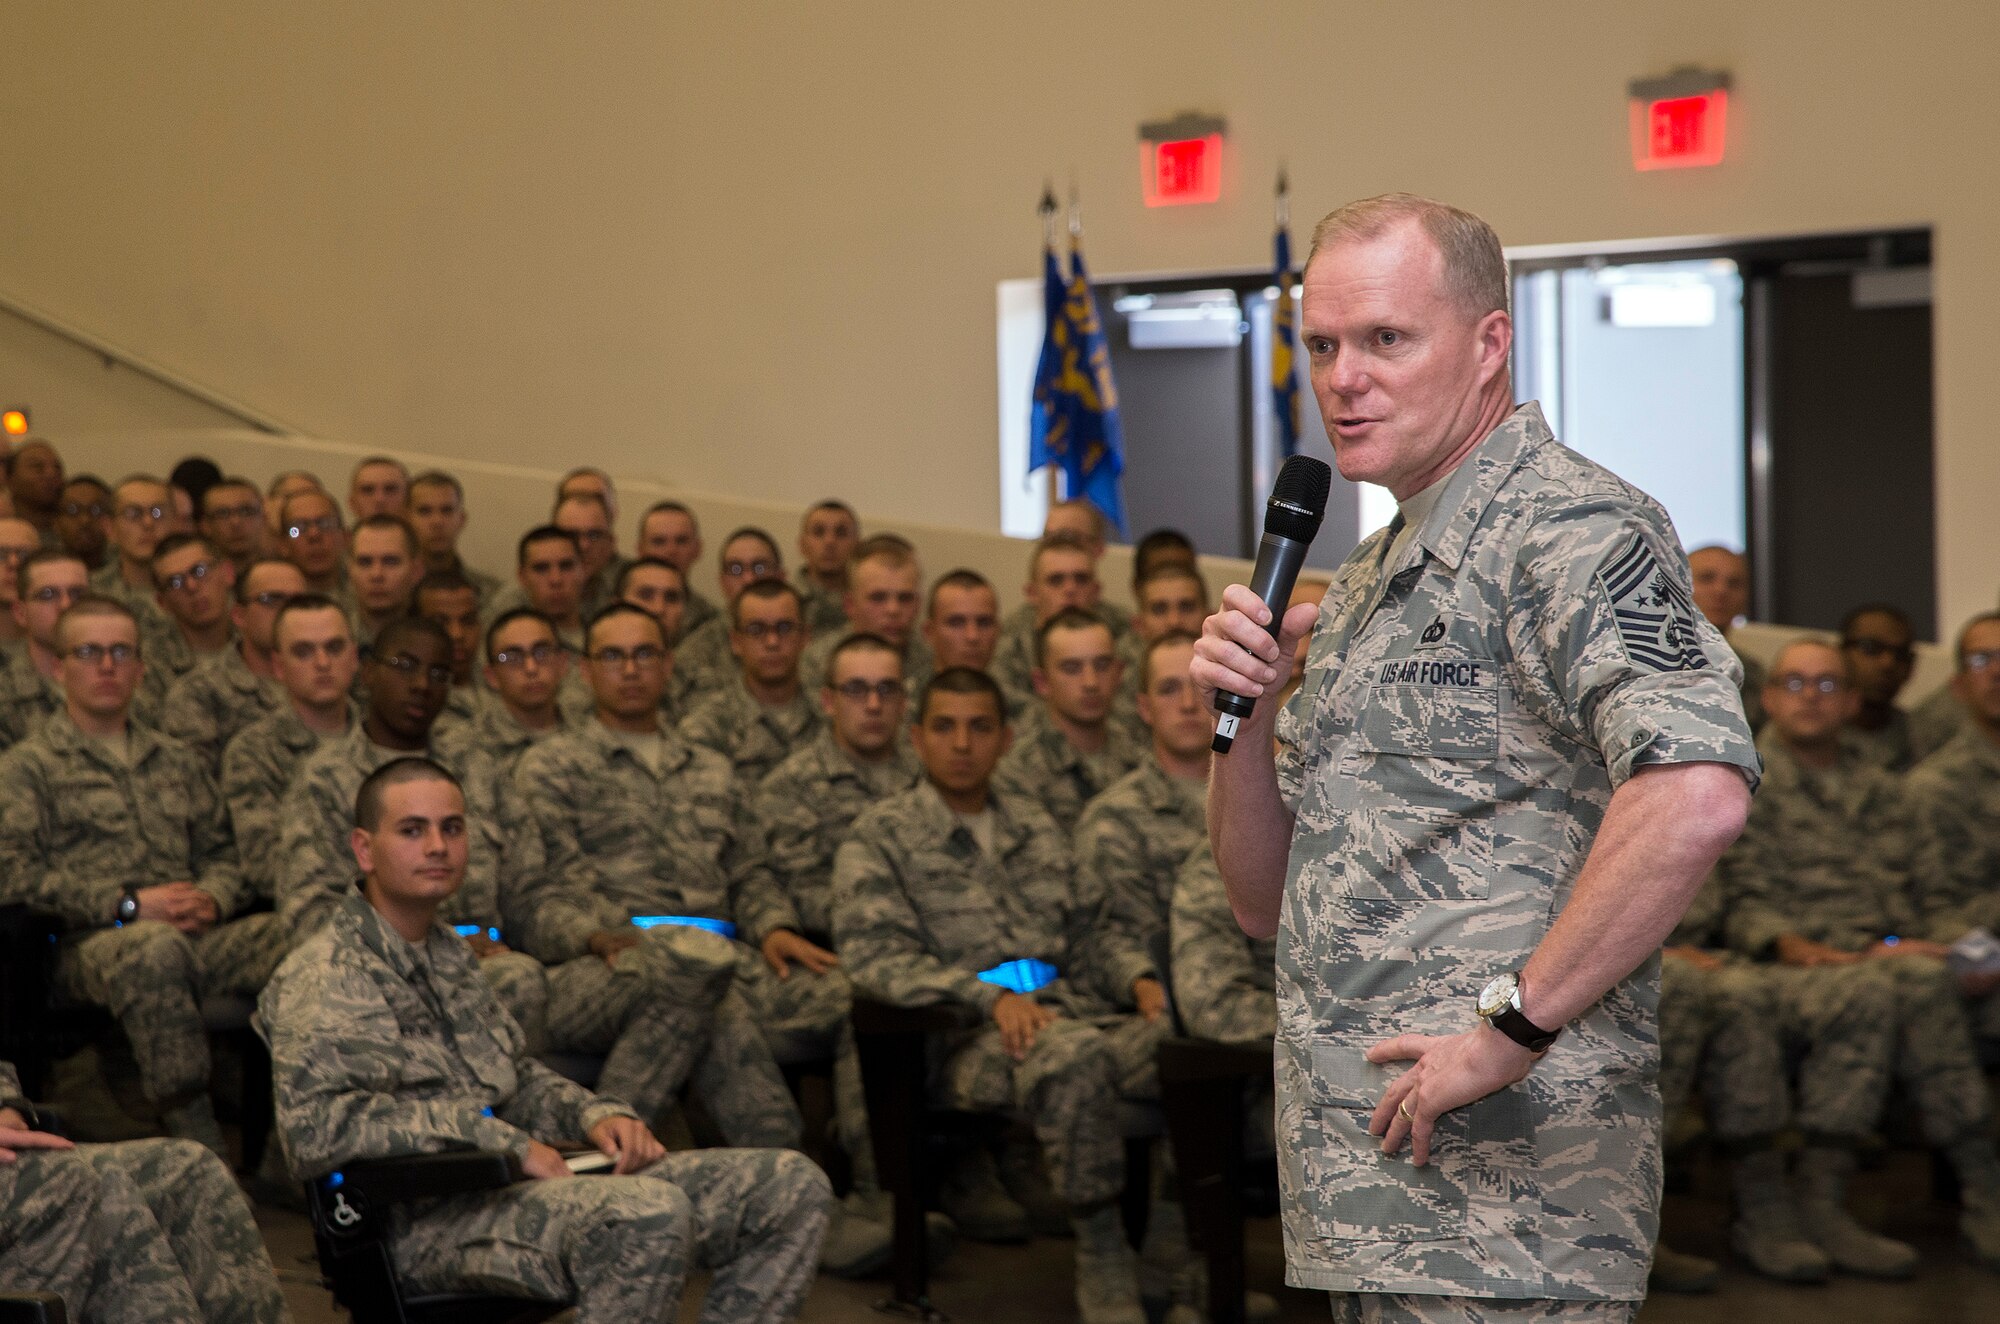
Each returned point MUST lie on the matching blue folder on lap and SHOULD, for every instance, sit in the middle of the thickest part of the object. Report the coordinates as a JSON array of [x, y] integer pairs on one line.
[[721, 926], [1022, 976]]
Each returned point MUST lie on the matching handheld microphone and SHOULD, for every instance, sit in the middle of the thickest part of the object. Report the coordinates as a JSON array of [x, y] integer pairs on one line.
[[1291, 522]]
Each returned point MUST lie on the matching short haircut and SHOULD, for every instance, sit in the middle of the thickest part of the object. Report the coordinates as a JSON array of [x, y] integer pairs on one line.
[[92, 604], [1958, 651], [508, 617], [669, 507], [1069, 618], [130, 479], [1170, 639], [1893, 612], [174, 542], [390, 460], [859, 641], [962, 680], [1100, 523], [831, 503], [444, 581], [194, 476], [92, 479], [612, 609], [1808, 641], [396, 772], [626, 571], [763, 590], [1062, 540], [590, 469], [892, 549], [43, 556], [227, 480], [564, 498], [1158, 541], [959, 578], [310, 494], [272, 489], [405, 627], [1718, 547], [543, 533], [396, 522], [1173, 570], [439, 478], [242, 589], [752, 531], [309, 602], [1475, 268]]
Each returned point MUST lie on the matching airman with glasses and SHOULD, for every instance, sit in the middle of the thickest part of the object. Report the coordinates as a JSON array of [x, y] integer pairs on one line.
[[313, 538], [232, 518], [141, 509], [46, 583], [703, 658], [80, 519]]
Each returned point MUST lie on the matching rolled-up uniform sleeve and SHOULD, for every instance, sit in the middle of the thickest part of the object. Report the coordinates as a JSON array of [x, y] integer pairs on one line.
[[1611, 649]]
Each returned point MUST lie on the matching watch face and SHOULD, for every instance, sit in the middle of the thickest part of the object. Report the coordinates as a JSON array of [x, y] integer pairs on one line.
[[1494, 997]]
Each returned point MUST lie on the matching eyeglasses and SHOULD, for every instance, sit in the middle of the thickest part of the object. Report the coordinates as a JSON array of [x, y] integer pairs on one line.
[[55, 593], [762, 630], [754, 569], [324, 524], [244, 511], [194, 574], [645, 655], [91, 654], [1980, 661], [1876, 648], [1797, 684], [147, 514], [270, 598], [859, 690], [405, 665], [96, 509], [540, 654]]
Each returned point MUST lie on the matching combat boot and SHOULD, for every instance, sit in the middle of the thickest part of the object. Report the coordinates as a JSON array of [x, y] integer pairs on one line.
[[1766, 1233], [860, 1236], [1823, 1173], [972, 1194], [1107, 1269], [1978, 1170], [1675, 1272], [1027, 1184], [1169, 1268]]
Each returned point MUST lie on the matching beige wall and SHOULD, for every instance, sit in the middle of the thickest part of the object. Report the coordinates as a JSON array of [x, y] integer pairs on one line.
[[751, 250]]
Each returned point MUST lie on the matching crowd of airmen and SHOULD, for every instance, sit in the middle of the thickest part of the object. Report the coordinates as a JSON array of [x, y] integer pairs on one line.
[[871, 783]]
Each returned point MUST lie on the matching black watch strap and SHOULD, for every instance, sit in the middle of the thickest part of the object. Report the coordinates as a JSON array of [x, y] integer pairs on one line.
[[1522, 1030]]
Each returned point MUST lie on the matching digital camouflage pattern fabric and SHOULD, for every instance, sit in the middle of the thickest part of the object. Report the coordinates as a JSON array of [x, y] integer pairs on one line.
[[753, 737], [1042, 765], [215, 700], [1225, 981], [27, 697], [804, 810], [1463, 720], [919, 663], [257, 769], [1131, 841]]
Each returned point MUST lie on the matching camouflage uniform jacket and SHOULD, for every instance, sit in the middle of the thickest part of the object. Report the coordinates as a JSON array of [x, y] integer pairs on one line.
[[78, 825], [493, 732], [1043, 766], [919, 664], [825, 611], [211, 703], [618, 839], [381, 1048], [1463, 721], [1013, 663], [696, 613], [108, 581], [27, 697], [1955, 798], [1935, 721], [1887, 748], [1825, 855], [755, 739], [316, 867], [1225, 981], [257, 769], [1130, 842], [919, 910], [804, 810], [703, 661]]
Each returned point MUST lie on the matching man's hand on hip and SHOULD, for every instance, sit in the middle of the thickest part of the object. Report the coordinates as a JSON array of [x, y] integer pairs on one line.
[[1446, 1072]]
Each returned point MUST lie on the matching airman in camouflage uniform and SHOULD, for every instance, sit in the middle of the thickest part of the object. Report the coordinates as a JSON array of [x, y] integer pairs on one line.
[[622, 836], [804, 809], [1062, 573], [257, 770], [148, 1230], [231, 689], [1955, 797], [828, 534], [1047, 764], [90, 827], [884, 582], [1225, 981], [382, 1046], [1935, 720], [48, 583], [926, 896], [492, 732], [1513, 664], [1819, 879], [761, 713], [1877, 643], [27, 696]]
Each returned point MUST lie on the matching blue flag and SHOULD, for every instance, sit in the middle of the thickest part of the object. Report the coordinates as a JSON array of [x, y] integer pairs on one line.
[[1284, 331], [1074, 423]]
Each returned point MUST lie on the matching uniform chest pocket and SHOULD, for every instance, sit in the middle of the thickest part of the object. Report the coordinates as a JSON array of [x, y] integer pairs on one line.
[[1419, 775]]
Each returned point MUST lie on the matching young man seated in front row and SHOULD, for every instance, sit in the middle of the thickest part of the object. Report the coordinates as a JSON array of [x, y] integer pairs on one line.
[[385, 1040]]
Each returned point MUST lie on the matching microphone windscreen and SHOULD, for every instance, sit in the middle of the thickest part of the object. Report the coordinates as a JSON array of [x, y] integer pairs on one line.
[[1298, 498]]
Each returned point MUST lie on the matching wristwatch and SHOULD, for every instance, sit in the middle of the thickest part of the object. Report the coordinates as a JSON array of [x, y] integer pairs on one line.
[[1500, 1007], [128, 906]]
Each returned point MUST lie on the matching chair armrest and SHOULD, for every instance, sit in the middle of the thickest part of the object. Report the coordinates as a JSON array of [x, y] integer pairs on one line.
[[32, 1308], [389, 1181], [1212, 1059], [874, 1017]]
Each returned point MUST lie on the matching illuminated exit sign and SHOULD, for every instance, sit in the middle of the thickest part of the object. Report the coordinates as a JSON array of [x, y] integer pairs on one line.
[[1180, 160], [1679, 120]]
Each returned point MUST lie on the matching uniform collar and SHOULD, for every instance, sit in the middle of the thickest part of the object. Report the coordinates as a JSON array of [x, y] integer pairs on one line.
[[943, 824], [674, 752], [63, 733], [1471, 487]]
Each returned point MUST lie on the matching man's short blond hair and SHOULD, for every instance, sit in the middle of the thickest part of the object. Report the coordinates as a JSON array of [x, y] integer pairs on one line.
[[1475, 270]]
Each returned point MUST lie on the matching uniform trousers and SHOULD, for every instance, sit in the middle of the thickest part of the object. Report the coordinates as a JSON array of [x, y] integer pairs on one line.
[[1412, 1308]]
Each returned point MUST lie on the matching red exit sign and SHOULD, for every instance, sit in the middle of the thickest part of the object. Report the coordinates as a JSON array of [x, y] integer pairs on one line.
[[1680, 120], [1180, 161]]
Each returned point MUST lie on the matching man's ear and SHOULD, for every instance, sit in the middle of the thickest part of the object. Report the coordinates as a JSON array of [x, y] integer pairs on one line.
[[362, 843], [1040, 680]]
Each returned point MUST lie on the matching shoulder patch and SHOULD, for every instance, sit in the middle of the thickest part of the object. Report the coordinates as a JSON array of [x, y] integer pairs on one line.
[[1655, 618]]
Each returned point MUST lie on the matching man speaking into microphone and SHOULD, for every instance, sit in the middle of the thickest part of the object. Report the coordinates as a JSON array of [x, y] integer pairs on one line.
[[1516, 752]]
